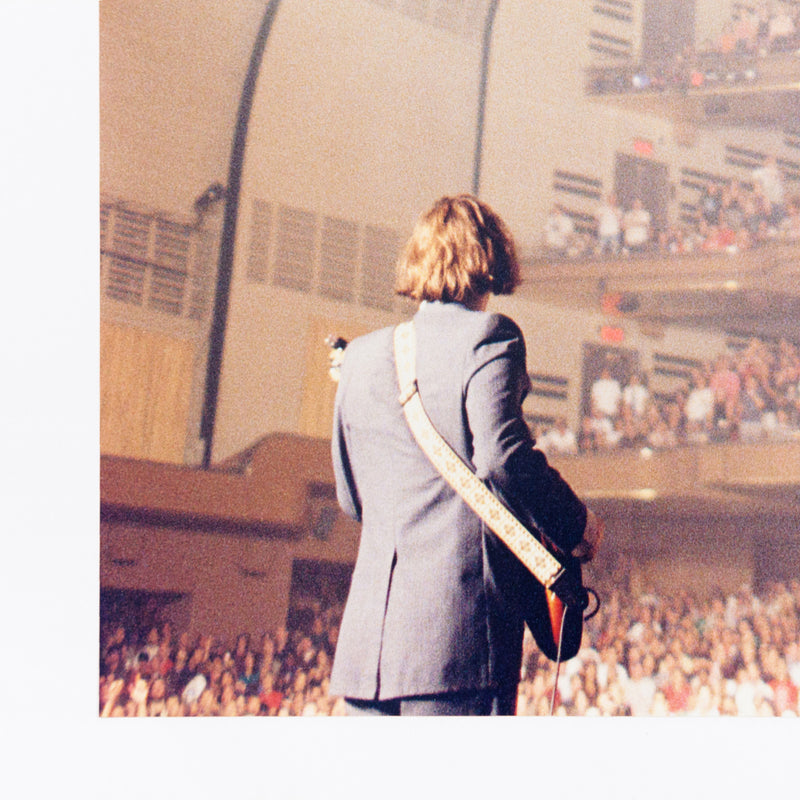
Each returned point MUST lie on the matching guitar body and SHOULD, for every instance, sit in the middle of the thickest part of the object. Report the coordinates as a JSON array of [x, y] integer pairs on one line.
[[541, 609], [543, 612]]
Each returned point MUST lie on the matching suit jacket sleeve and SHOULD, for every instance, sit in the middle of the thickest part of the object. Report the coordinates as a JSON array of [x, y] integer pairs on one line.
[[503, 448], [346, 491]]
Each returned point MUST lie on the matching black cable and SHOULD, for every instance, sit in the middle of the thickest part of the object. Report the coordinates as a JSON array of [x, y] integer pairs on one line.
[[560, 639], [558, 662]]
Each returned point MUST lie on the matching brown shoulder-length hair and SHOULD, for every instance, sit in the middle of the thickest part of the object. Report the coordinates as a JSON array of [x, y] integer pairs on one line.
[[459, 251]]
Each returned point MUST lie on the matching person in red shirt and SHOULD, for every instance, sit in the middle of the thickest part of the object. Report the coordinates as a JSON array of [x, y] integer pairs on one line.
[[677, 692], [784, 692], [727, 386]]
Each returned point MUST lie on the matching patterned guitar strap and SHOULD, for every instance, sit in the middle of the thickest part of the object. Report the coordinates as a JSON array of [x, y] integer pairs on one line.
[[532, 553]]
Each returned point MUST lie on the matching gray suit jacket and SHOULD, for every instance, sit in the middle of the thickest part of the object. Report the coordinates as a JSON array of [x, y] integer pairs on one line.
[[429, 609]]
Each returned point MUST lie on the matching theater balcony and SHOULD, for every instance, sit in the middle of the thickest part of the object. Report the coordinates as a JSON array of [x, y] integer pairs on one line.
[[272, 489], [749, 293], [714, 90]]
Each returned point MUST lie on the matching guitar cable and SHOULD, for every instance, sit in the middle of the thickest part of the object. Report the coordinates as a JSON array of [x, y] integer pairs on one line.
[[561, 638], [558, 666]]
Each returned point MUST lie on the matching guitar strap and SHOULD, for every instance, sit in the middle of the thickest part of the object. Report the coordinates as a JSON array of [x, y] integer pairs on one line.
[[539, 561]]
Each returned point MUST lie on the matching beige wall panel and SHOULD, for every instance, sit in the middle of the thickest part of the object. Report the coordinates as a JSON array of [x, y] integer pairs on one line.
[[362, 112], [319, 388], [371, 129], [145, 382], [269, 345]]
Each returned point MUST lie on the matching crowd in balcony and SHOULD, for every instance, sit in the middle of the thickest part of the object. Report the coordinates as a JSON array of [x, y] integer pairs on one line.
[[746, 38], [730, 216], [749, 396], [643, 654]]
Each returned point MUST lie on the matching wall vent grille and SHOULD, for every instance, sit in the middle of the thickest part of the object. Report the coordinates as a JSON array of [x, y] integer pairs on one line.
[[612, 31], [554, 387], [670, 366], [578, 195], [613, 46], [294, 257], [338, 259], [327, 256], [154, 261], [131, 236]]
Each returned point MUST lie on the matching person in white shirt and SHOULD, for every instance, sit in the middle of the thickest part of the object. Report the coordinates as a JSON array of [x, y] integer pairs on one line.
[[609, 222], [636, 224], [699, 408], [606, 394], [635, 396], [560, 439], [559, 230], [640, 689], [769, 178]]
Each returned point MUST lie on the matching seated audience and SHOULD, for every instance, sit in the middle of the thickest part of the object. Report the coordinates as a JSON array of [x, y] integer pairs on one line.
[[643, 653]]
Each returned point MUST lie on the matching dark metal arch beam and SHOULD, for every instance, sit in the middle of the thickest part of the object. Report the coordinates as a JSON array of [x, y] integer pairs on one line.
[[225, 265], [484, 80]]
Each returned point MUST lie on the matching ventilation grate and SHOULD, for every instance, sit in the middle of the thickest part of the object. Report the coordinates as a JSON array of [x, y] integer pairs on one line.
[[571, 188], [294, 257], [552, 386], [670, 366], [154, 261], [576, 184], [608, 45], [167, 290], [743, 158], [131, 234], [172, 245], [334, 258], [338, 258], [125, 281], [620, 10]]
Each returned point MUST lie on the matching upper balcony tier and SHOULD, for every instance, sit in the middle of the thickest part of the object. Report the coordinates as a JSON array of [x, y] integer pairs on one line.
[[713, 90]]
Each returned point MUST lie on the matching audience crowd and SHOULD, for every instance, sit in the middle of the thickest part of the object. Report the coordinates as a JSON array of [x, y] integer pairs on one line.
[[646, 654], [643, 654], [730, 216], [749, 396]]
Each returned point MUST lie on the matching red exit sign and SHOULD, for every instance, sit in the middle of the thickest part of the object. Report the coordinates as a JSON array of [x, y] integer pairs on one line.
[[612, 334]]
